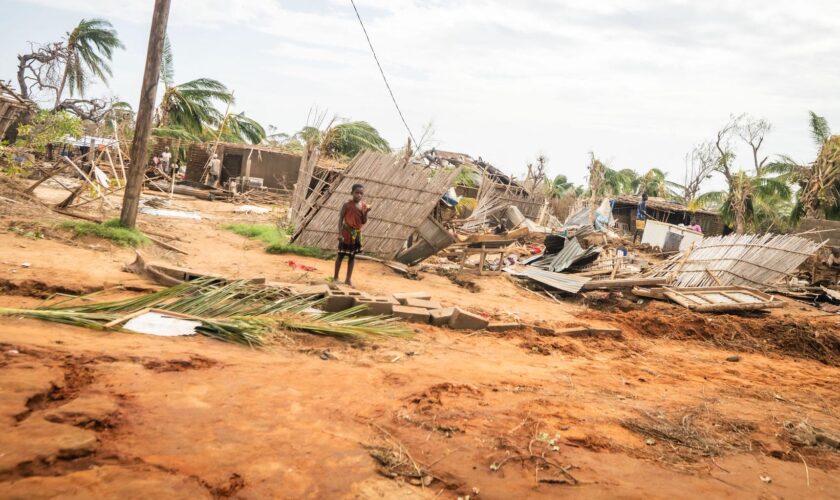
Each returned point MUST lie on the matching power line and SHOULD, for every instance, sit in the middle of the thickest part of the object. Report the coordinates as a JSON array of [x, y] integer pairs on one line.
[[375, 58]]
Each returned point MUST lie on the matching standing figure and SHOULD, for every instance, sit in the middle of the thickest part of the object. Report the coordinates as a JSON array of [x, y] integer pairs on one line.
[[215, 170], [641, 217], [165, 160], [352, 217]]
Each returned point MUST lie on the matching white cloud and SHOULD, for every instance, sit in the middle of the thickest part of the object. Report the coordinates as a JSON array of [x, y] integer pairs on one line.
[[633, 80]]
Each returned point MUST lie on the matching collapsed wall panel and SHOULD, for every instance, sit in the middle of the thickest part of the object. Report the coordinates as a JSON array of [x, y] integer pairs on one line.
[[401, 194]]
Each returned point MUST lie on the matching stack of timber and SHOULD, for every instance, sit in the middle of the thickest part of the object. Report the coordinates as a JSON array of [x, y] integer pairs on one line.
[[752, 260], [402, 196]]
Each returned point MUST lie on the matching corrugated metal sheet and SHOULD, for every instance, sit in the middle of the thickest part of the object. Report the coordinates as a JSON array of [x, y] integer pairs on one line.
[[566, 282]]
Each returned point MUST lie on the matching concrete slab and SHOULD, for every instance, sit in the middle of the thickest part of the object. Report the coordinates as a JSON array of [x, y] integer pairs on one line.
[[440, 317], [425, 304], [376, 305], [402, 297], [416, 314], [465, 320]]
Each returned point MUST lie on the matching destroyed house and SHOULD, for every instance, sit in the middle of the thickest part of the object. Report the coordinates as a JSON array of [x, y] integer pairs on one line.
[[11, 107], [624, 213], [511, 191]]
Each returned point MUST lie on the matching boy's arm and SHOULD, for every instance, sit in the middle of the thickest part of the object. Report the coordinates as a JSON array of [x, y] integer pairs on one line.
[[365, 213], [341, 219]]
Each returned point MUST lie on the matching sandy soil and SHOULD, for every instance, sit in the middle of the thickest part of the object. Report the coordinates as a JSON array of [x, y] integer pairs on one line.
[[658, 412]]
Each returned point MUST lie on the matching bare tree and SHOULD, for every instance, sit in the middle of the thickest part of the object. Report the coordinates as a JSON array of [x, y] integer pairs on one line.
[[753, 131], [699, 165], [40, 69]]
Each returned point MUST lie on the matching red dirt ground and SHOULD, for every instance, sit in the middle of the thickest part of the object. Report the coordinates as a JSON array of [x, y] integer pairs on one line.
[[656, 413]]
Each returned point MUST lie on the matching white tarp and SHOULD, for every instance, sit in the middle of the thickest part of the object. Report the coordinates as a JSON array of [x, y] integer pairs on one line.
[[153, 323]]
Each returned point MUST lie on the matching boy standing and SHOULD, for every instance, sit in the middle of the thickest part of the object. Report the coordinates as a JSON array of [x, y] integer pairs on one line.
[[352, 217]]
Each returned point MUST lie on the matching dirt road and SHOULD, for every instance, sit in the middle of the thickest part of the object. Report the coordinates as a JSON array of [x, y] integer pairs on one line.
[[659, 412]]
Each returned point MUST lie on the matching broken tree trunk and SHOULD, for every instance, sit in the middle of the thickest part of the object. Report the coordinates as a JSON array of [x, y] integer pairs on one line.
[[143, 127]]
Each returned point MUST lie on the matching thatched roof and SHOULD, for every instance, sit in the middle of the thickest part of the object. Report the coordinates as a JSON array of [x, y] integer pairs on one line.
[[660, 204]]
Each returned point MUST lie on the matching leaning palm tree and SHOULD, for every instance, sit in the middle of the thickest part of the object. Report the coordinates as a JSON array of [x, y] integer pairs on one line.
[[89, 49], [561, 186], [347, 139], [187, 109], [236, 127], [818, 196]]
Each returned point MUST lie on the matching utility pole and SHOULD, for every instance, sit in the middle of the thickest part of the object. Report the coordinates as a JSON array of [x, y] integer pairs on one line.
[[143, 127]]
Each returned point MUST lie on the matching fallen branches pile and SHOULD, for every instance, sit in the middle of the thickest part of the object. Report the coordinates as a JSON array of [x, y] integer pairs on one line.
[[691, 435], [238, 311]]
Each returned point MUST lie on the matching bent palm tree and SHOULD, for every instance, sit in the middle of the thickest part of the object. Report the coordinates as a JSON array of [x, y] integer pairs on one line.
[[186, 110], [89, 48], [237, 127], [349, 138], [561, 186], [818, 196]]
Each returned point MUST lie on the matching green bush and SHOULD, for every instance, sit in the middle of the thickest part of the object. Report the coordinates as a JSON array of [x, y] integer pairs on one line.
[[109, 230]]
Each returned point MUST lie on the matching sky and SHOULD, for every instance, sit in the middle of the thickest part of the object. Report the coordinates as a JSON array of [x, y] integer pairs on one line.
[[637, 82]]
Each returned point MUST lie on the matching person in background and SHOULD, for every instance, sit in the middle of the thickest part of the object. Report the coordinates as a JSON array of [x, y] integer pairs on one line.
[[215, 170], [352, 217], [165, 160], [641, 217], [694, 226]]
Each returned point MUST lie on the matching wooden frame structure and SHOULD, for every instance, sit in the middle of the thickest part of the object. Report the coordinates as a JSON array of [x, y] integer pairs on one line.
[[721, 298], [401, 194], [737, 259]]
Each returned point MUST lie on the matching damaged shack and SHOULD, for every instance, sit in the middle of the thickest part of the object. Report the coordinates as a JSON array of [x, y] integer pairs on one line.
[[402, 195], [255, 166], [669, 212]]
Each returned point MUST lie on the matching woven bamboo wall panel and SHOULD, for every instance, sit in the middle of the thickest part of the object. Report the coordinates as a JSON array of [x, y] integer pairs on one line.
[[401, 196]]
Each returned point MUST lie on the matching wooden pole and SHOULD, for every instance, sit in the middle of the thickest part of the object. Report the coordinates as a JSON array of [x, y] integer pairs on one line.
[[143, 127]]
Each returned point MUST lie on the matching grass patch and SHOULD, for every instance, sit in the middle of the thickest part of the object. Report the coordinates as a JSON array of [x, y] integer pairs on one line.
[[110, 230], [297, 250], [277, 241], [267, 233]]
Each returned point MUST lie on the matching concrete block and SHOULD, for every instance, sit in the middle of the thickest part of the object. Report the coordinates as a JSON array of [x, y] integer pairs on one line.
[[376, 305], [425, 304], [465, 320], [502, 327], [416, 314], [401, 297], [440, 317], [339, 300]]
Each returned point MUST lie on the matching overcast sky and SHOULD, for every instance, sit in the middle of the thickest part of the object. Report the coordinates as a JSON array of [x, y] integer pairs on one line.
[[637, 82]]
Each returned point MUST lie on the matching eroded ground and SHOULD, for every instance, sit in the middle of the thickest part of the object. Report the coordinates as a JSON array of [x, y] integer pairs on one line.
[[658, 412]]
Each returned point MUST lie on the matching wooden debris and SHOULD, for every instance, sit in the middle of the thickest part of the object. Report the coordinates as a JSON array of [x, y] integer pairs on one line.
[[722, 298]]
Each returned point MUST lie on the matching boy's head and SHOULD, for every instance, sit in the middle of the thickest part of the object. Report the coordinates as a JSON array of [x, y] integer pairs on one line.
[[644, 196], [358, 192]]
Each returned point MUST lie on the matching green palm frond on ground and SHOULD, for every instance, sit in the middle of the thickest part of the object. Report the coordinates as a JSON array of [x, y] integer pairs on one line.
[[237, 311]]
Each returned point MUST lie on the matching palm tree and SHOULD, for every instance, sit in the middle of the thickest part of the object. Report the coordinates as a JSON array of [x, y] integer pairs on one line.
[[654, 183], [188, 109], [818, 196], [346, 140], [236, 127], [619, 181], [750, 200], [89, 49], [560, 187]]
